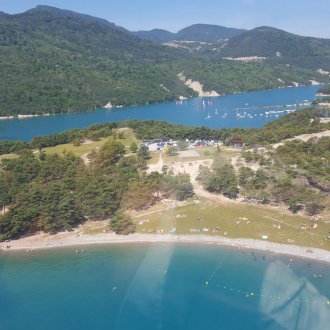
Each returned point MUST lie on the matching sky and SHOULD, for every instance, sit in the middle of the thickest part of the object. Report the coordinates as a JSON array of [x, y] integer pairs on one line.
[[303, 17]]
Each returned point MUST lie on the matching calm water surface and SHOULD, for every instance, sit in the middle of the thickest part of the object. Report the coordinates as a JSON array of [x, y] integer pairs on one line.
[[237, 110], [162, 286]]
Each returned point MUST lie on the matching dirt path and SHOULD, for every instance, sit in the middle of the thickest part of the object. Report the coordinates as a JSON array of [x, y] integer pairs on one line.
[[157, 167], [84, 157], [304, 137], [192, 168]]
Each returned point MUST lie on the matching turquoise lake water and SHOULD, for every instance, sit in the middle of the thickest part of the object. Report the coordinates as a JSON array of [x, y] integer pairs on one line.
[[237, 110], [162, 286]]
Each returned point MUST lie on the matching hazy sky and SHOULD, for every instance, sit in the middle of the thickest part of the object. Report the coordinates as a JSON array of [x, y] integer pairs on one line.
[[305, 17]]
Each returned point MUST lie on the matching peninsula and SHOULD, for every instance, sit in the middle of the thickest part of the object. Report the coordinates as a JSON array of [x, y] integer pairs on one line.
[[217, 186]]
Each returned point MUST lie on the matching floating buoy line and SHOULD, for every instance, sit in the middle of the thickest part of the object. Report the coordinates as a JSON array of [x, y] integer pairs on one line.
[[217, 268], [250, 294], [253, 294]]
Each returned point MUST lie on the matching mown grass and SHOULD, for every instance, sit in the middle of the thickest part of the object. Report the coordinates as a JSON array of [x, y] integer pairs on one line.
[[8, 156], [78, 151], [85, 148], [209, 214]]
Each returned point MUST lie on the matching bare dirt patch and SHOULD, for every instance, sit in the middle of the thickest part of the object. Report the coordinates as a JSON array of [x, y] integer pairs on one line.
[[188, 153]]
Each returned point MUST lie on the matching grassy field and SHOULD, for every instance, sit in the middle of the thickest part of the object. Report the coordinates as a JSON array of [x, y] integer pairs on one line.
[[236, 221], [85, 148], [8, 156]]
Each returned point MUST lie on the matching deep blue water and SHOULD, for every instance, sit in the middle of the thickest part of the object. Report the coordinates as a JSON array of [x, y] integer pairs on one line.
[[162, 286], [237, 110]]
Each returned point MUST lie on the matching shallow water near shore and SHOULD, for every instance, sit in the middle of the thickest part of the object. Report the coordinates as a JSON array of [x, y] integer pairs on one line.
[[245, 110], [162, 286]]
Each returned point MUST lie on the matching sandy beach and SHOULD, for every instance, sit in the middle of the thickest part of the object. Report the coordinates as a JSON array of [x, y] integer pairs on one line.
[[72, 239]]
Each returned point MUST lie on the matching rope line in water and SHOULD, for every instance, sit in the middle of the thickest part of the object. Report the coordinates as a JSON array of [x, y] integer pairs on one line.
[[250, 293], [217, 268]]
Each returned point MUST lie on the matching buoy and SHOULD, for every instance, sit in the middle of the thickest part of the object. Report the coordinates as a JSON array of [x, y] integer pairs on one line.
[[252, 294], [206, 283], [328, 302]]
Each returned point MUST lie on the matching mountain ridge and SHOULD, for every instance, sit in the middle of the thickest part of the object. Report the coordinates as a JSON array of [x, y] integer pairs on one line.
[[280, 46], [195, 32], [55, 60]]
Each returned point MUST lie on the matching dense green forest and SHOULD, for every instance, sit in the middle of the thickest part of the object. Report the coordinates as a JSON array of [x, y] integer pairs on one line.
[[53, 193], [321, 100], [56, 61], [325, 90], [225, 76], [280, 47]]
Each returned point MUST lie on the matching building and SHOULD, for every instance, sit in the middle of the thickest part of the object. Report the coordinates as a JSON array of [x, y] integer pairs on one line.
[[237, 143]]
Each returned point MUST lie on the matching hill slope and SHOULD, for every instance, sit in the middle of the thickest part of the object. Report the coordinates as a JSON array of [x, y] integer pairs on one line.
[[55, 61], [207, 33], [280, 47], [156, 35], [195, 32]]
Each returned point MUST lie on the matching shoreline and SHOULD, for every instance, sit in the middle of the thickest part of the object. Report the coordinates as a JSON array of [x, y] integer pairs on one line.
[[27, 116], [70, 240], [24, 116]]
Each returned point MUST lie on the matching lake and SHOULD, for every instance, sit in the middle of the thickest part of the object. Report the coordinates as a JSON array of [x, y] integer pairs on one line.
[[162, 286], [245, 110]]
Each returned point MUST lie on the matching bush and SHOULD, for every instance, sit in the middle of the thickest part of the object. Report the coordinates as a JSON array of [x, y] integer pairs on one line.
[[122, 224]]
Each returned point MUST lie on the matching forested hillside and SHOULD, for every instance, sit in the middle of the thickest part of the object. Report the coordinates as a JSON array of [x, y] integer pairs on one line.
[[55, 61], [325, 90], [271, 45], [280, 47], [195, 32], [54, 193]]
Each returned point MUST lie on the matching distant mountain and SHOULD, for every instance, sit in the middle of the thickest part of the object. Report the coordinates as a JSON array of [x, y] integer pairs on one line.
[[53, 12], [196, 32], [55, 60], [263, 43], [280, 47], [156, 35], [207, 33]]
